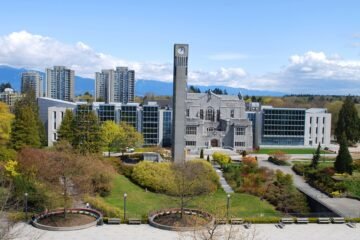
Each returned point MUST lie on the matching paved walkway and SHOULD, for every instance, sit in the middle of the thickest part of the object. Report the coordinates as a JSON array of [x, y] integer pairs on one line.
[[345, 207], [227, 188], [141, 232]]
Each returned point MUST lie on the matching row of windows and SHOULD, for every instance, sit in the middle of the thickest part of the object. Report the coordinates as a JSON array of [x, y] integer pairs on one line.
[[190, 130], [316, 130], [190, 143], [284, 112], [240, 131], [239, 144], [317, 120], [284, 133]]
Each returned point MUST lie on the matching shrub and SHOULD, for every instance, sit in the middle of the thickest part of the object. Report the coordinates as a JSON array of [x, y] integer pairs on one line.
[[202, 153], [152, 175], [221, 158], [278, 161], [99, 204], [299, 169], [160, 177], [126, 169], [356, 165]]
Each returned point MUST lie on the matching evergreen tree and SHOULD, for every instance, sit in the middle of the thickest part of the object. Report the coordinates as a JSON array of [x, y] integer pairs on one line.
[[316, 158], [24, 129], [343, 162], [348, 122], [202, 153], [67, 128], [87, 137]]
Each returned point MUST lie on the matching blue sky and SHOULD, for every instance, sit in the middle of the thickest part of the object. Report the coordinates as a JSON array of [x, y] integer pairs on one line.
[[253, 44]]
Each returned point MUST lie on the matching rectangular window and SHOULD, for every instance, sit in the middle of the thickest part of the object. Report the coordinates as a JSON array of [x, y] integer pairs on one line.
[[232, 113], [201, 114], [190, 130], [310, 120], [316, 130], [317, 120], [187, 112], [323, 120], [322, 140], [323, 130], [54, 114], [310, 130], [54, 137], [55, 124], [239, 144], [240, 131], [190, 143]]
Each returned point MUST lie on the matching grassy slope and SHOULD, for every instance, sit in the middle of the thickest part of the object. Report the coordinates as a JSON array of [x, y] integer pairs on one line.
[[289, 150], [140, 203]]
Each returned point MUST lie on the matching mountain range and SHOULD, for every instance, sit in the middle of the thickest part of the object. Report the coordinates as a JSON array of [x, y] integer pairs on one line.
[[142, 86]]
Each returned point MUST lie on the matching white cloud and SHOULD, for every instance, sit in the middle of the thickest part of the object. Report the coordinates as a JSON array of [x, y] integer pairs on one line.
[[311, 72], [228, 56], [316, 72], [23, 49]]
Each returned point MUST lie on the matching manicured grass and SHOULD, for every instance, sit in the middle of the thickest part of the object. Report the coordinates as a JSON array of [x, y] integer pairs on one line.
[[290, 150], [321, 163], [139, 202]]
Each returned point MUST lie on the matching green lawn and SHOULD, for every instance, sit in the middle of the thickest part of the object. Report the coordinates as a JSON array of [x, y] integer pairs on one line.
[[290, 150], [321, 163], [140, 203]]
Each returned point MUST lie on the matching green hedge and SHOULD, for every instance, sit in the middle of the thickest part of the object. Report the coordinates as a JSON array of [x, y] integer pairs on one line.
[[278, 161], [106, 209], [160, 177]]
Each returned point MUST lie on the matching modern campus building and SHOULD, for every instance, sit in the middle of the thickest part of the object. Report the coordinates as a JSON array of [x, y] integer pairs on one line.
[[115, 85], [211, 121], [291, 126], [33, 81], [144, 119], [217, 121], [9, 96], [60, 83]]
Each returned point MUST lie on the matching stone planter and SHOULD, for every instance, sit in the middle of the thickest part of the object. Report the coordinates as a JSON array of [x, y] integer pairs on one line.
[[153, 216], [98, 219]]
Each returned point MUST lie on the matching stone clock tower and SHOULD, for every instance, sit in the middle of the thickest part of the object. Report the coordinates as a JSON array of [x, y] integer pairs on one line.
[[181, 52]]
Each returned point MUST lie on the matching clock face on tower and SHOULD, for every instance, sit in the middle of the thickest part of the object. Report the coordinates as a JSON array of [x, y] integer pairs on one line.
[[181, 50]]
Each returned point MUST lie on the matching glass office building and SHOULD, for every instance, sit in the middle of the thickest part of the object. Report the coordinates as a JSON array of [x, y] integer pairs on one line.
[[167, 128], [283, 126], [107, 112], [129, 115], [150, 124]]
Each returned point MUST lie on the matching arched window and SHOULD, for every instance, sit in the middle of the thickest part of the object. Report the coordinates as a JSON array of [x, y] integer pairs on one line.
[[209, 114]]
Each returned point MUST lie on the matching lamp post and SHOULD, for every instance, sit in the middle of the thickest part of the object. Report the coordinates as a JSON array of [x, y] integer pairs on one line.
[[125, 196], [26, 205], [227, 206]]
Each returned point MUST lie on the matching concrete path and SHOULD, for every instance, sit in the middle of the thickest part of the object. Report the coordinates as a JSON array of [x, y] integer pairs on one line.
[[227, 188], [345, 207], [141, 232]]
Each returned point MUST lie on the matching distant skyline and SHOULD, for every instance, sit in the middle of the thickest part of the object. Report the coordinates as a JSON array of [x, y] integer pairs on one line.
[[288, 46]]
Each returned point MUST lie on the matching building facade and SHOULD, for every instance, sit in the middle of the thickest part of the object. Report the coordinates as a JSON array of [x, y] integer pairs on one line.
[[32, 81], [150, 124], [317, 127], [217, 121], [115, 85], [10, 97], [60, 83], [291, 127]]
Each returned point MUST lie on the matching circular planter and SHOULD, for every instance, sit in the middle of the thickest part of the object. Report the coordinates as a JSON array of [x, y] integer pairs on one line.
[[153, 216], [98, 219]]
